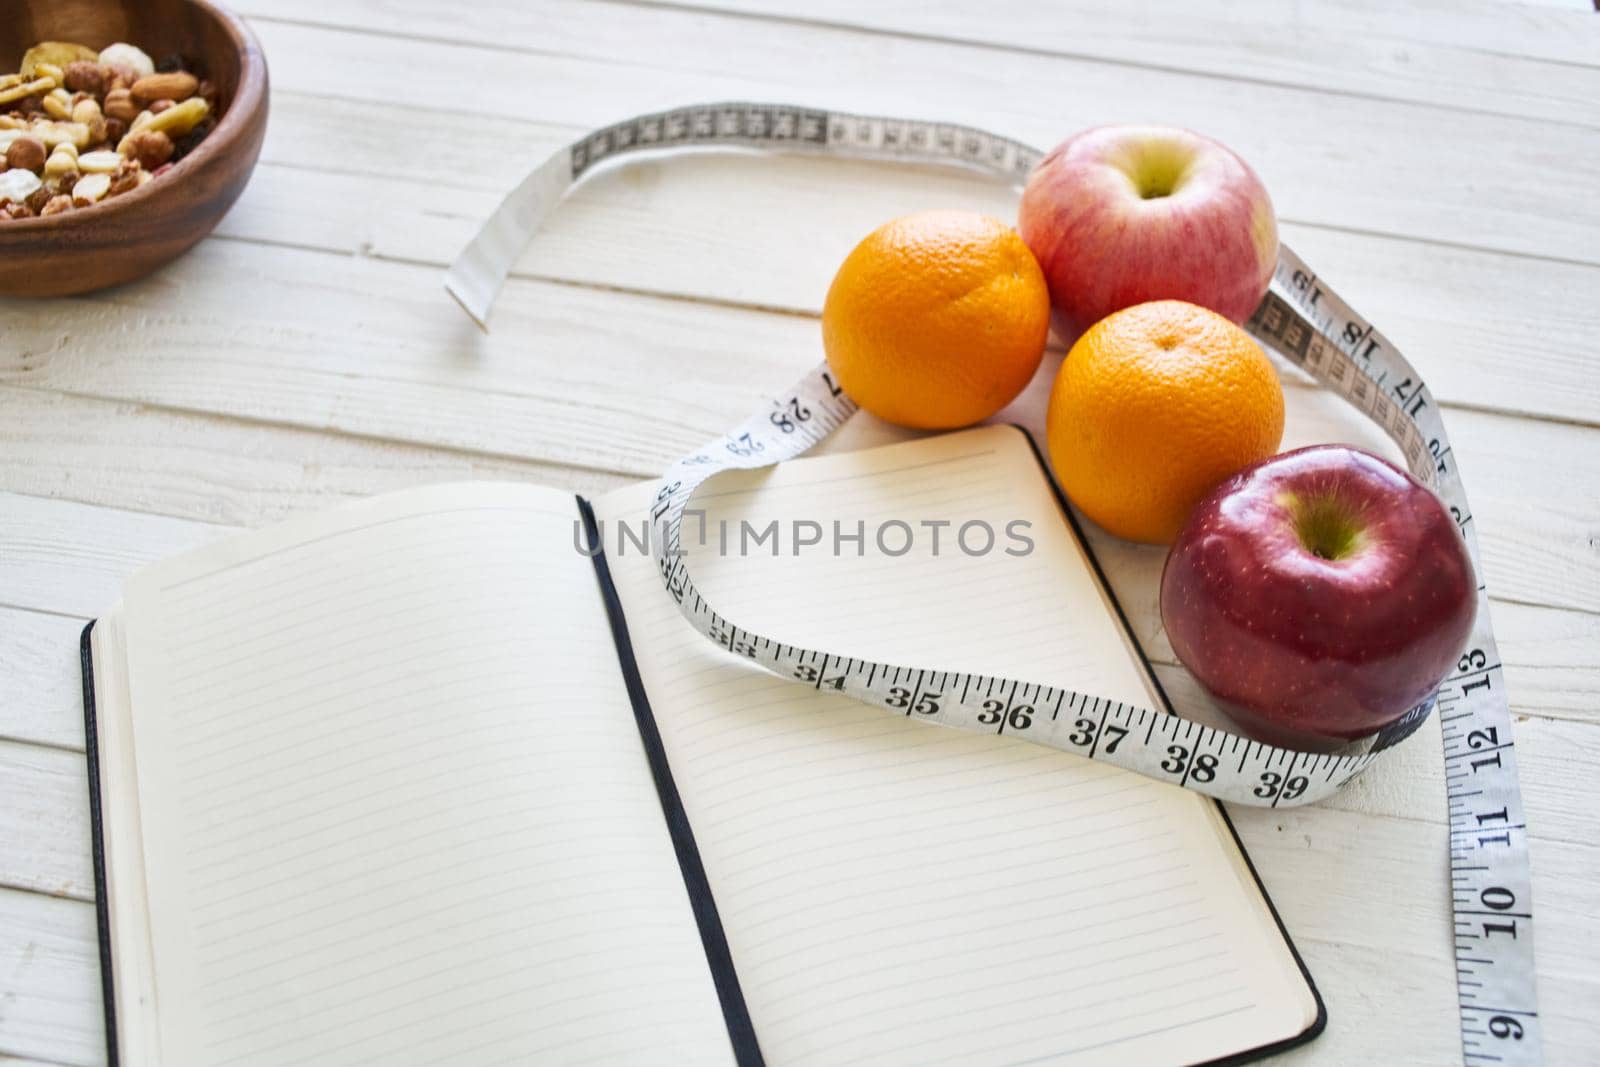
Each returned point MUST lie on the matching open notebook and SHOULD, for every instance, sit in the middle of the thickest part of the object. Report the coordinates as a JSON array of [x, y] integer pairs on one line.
[[417, 781]]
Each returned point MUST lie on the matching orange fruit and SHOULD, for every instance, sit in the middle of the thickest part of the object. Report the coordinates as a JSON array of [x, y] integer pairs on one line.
[[936, 320], [1155, 405]]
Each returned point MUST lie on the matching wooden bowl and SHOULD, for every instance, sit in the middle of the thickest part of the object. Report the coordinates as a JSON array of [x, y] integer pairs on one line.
[[128, 236]]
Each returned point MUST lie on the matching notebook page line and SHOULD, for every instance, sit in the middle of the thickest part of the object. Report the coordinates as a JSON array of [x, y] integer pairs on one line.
[[332, 793], [831, 925]]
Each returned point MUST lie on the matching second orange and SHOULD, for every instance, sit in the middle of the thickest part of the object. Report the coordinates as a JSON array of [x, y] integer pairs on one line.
[[1155, 405]]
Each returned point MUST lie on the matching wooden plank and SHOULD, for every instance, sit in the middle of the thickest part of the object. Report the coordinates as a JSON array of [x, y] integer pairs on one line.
[[569, 378], [1369, 909], [1533, 529], [67, 558], [1479, 338], [41, 686], [1470, 320], [391, 359], [1488, 28], [1476, 180], [224, 470], [44, 821], [49, 980], [1361, 50]]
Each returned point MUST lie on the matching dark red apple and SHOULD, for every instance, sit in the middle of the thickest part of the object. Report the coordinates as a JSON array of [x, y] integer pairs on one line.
[[1319, 595]]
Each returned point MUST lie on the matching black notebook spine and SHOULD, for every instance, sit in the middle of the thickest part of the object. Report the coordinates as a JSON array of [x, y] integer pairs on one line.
[[741, 1032], [97, 844]]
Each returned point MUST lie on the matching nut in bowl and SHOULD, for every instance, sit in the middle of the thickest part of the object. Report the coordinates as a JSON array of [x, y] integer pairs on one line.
[[149, 117]]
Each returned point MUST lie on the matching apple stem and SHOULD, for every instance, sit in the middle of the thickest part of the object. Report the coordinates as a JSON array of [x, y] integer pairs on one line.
[[1327, 529]]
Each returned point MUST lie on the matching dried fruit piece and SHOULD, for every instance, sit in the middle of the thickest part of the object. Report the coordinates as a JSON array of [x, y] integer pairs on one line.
[[58, 54], [190, 141], [25, 89], [176, 120], [58, 104], [130, 56]]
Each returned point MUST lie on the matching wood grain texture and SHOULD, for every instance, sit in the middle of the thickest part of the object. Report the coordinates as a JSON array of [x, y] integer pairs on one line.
[[615, 382], [1364, 50], [1470, 321], [50, 970], [222, 469], [41, 686], [127, 236], [1404, 169], [306, 355]]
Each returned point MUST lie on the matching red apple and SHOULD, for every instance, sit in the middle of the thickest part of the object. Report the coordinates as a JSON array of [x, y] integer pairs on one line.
[[1319, 595], [1120, 215]]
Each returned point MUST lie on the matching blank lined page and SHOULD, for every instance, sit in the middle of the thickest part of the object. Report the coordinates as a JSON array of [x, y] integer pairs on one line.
[[897, 892], [394, 805]]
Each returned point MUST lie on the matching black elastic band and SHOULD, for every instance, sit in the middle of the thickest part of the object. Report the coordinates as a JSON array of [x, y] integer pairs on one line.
[[97, 845], [741, 1032]]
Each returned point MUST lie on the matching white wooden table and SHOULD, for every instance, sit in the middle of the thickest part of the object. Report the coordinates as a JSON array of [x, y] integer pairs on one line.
[[1439, 166]]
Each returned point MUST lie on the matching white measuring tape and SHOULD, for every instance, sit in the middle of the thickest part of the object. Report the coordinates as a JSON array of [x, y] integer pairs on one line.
[[1302, 319]]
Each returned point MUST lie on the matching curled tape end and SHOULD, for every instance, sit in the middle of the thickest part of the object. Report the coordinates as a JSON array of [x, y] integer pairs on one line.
[[465, 303]]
